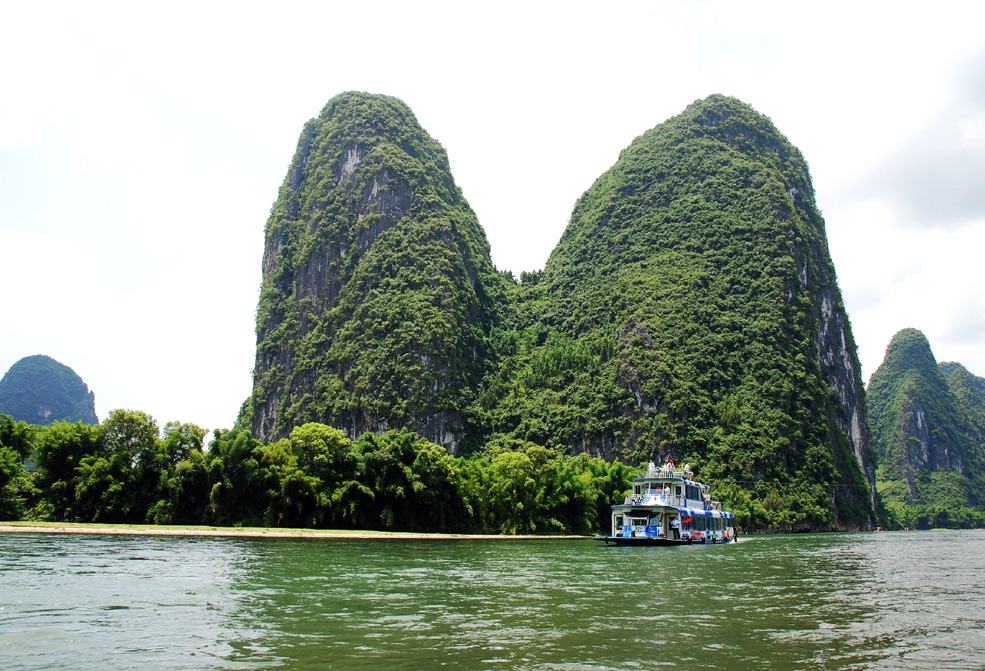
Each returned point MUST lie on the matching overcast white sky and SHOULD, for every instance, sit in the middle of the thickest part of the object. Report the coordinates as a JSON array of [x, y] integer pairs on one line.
[[142, 146]]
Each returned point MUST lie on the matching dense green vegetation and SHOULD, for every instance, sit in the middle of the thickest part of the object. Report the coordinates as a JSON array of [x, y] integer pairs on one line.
[[378, 291], [39, 390], [679, 316], [928, 431], [689, 311], [126, 471]]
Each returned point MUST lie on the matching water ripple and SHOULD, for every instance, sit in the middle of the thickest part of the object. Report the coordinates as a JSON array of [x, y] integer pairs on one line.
[[847, 601]]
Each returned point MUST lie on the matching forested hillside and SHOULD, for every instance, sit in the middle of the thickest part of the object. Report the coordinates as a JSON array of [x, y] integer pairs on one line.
[[690, 310], [378, 291], [928, 430], [39, 390]]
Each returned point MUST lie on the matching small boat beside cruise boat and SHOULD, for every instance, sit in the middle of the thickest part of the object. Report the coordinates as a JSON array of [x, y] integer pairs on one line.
[[668, 507]]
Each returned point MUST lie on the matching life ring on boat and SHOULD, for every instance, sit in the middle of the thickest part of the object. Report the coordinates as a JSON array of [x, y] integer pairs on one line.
[[730, 532]]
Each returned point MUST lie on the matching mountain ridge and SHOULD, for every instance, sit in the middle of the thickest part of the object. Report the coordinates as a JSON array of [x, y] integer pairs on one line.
[[928, 430], [690, 309]]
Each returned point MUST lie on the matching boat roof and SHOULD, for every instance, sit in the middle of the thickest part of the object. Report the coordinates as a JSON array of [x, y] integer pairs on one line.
[[654, 479]]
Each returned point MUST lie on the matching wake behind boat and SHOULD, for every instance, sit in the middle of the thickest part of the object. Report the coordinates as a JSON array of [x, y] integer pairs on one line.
[[668, 507]]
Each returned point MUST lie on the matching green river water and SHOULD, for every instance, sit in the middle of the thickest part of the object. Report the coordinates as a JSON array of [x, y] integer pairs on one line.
[[837, 601]]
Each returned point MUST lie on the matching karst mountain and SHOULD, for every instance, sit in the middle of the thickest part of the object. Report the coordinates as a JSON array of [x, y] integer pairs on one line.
[[928, 432], [39, 390], [690, 310], [378, 293]]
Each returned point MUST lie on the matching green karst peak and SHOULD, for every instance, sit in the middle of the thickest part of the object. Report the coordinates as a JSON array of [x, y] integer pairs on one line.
[[39, 390], [690, 310], [378, 291], [928, 432]]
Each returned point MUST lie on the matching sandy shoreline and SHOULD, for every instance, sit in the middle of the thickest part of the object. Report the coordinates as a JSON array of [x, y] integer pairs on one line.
[[236, 532]]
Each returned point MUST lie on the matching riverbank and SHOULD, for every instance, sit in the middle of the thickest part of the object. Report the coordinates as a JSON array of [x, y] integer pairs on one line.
[[246, 532]]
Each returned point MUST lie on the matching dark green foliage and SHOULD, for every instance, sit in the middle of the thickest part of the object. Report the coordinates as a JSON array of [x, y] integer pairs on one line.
[[681, 315], [16, 485], [969, 390], [39, 390], [927, 424], [690, 310], [121, 471], [378, 291], [59, 453], [232, 473]]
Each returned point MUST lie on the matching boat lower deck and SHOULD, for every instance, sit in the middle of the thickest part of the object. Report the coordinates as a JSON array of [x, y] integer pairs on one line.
[[642, 540], [659, 541]]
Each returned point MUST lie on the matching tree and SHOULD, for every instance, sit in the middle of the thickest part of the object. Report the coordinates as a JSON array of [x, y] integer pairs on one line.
[[132, 433], [18, 436], [60, 449], [15, 484], [234, 479], [387, 461], [180, 440]]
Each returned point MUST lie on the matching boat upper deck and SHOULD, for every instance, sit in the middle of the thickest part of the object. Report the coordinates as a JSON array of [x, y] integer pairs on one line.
[[671, 487]]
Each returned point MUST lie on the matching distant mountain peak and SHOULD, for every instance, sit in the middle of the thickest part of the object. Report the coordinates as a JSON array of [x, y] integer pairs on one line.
[[928, 426], [39, 390]]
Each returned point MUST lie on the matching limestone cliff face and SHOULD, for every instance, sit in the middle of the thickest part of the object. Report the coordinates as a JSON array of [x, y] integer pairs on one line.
[[919, 424], [378, 290], [838, 358]]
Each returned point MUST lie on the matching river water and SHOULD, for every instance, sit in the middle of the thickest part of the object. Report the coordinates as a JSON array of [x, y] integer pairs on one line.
[[834, 601]]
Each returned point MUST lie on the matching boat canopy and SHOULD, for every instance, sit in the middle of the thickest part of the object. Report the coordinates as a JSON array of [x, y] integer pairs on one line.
[[698, 512]]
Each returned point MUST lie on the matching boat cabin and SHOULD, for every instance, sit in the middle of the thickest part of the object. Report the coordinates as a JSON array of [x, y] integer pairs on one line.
[[668, 504]]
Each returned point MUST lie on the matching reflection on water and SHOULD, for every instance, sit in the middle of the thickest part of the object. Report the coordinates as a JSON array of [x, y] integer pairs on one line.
[[839, 601]]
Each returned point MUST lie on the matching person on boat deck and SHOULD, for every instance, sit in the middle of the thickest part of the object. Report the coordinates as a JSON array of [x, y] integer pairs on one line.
[[675, 526], [651, 470]]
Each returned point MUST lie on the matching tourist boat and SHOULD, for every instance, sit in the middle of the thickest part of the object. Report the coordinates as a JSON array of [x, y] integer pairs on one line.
[[667, 507]]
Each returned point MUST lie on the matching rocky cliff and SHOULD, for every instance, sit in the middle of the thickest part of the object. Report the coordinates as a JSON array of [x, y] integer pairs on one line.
[[927, 425], [39, 390], [691, 310], [378, 290]]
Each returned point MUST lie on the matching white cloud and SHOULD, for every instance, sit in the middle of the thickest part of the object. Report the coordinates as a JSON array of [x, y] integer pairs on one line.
[[894, 278]]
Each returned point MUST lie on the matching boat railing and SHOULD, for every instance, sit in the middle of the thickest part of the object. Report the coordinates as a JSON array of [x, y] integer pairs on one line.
[[664, 472], [646, 498]]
